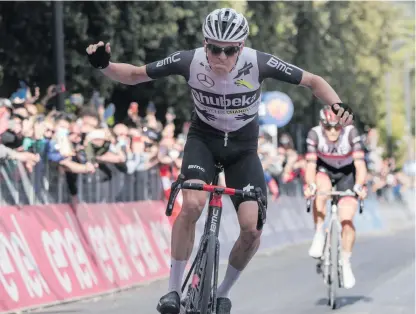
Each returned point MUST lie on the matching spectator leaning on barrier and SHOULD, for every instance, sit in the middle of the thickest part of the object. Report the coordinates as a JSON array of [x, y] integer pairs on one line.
[[10, 137]]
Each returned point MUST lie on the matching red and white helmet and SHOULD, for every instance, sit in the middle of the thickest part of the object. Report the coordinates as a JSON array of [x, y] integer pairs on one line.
[[328, 117]]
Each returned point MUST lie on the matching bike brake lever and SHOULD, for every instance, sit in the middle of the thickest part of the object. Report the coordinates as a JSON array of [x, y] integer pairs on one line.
[[308, 205], [261, 218], [361, 206], [174, 191], [361, 203]]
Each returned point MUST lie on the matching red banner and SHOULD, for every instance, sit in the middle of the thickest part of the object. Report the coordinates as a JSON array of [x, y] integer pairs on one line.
[[48, 254]]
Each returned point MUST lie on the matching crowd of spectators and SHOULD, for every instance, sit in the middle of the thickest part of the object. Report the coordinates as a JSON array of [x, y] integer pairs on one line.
[[84, 136]]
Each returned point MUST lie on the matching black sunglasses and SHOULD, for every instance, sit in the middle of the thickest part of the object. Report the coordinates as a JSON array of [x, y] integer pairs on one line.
[[228, 51], [328, 126]]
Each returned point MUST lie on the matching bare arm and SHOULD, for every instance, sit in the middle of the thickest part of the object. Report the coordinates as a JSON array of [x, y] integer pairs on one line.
[[113, 158], [310, 173], [320, 88], [311, 157], [76, 167], [126, 73], [358, 155], [360, 171]]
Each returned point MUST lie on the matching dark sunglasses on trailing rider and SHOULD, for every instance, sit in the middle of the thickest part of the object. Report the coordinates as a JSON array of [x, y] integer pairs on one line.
[[329, 126], [228, 51]]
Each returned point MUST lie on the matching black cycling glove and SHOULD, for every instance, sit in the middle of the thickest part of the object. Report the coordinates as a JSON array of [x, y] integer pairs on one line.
[[343, 106], [100, 59]]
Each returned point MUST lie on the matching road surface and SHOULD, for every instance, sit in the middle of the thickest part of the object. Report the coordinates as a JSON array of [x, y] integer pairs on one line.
[[285, 282]]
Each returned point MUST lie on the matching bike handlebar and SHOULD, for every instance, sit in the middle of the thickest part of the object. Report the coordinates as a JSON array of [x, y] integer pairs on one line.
[[335, 193], [257, 196]]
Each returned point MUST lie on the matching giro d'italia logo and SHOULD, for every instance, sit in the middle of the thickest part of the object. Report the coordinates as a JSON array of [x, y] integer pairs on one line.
[[205, 80]]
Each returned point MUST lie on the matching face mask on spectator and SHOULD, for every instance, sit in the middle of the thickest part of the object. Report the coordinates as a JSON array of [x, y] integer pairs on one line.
[[122, 142]]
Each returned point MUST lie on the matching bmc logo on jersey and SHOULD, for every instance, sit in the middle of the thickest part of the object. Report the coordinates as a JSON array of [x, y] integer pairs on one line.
[[279, 65], [171, 59], [232, 101]]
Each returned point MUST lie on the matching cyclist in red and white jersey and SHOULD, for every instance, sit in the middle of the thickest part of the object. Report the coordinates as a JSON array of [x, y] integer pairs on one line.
[[335, 155]]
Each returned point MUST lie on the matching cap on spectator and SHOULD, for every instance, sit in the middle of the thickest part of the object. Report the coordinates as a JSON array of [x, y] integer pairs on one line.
[[151, 134]]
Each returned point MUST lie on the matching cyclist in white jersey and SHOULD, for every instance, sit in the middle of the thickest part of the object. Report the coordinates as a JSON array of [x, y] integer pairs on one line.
[[225, 80], [335, 155]]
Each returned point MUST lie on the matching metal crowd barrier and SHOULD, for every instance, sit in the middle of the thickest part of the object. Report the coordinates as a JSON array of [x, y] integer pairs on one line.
[[48, 183]]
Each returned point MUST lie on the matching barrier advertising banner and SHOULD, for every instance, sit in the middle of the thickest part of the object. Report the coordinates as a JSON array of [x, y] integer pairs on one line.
[[47, 254]]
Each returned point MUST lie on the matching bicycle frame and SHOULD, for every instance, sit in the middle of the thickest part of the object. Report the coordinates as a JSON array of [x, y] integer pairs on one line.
[[212, 224], [211, 232], [333, 219]]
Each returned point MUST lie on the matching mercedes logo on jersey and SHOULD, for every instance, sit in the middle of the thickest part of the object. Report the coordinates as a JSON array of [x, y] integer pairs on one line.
[[205, 80]]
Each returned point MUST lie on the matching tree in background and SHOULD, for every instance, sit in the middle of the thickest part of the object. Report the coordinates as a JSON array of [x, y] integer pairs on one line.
[[348, 43]]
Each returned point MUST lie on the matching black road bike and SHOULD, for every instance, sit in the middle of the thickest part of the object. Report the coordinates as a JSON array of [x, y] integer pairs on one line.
[[201, 295]]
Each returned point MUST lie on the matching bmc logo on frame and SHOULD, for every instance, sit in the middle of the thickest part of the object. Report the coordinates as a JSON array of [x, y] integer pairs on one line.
[[171, 59], [279, 65]]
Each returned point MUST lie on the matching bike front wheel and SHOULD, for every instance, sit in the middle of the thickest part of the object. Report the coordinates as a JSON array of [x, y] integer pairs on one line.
[[208, 275], [334, 276]]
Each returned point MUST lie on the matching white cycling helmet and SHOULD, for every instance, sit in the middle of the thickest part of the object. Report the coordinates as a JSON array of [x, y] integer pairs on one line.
[[225, 25]]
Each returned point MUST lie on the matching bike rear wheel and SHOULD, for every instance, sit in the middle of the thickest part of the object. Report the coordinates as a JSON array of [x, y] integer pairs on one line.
[[334, 257], [207, 275]]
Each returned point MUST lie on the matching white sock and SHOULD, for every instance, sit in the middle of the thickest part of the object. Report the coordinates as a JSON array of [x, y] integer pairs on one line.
[[319, 227], [231, 276], [346, 256], [177, 269]]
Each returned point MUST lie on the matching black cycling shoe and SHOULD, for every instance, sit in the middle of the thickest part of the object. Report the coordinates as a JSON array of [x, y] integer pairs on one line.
[[169, 303], [223, 306]]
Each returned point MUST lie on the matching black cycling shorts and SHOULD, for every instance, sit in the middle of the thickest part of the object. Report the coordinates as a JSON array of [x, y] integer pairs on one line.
[[205, 147], [343, 178]]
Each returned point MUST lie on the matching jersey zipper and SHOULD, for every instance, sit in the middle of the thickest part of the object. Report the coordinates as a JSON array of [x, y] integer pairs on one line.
[[225, 139]]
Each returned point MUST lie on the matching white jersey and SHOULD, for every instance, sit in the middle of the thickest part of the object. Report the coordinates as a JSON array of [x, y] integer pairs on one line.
[[226, 103], [335, 154]]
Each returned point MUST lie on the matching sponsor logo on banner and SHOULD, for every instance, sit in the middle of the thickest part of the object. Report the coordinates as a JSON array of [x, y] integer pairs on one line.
[[39, 255], [17, 258], [108, 252], [60, 244]]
